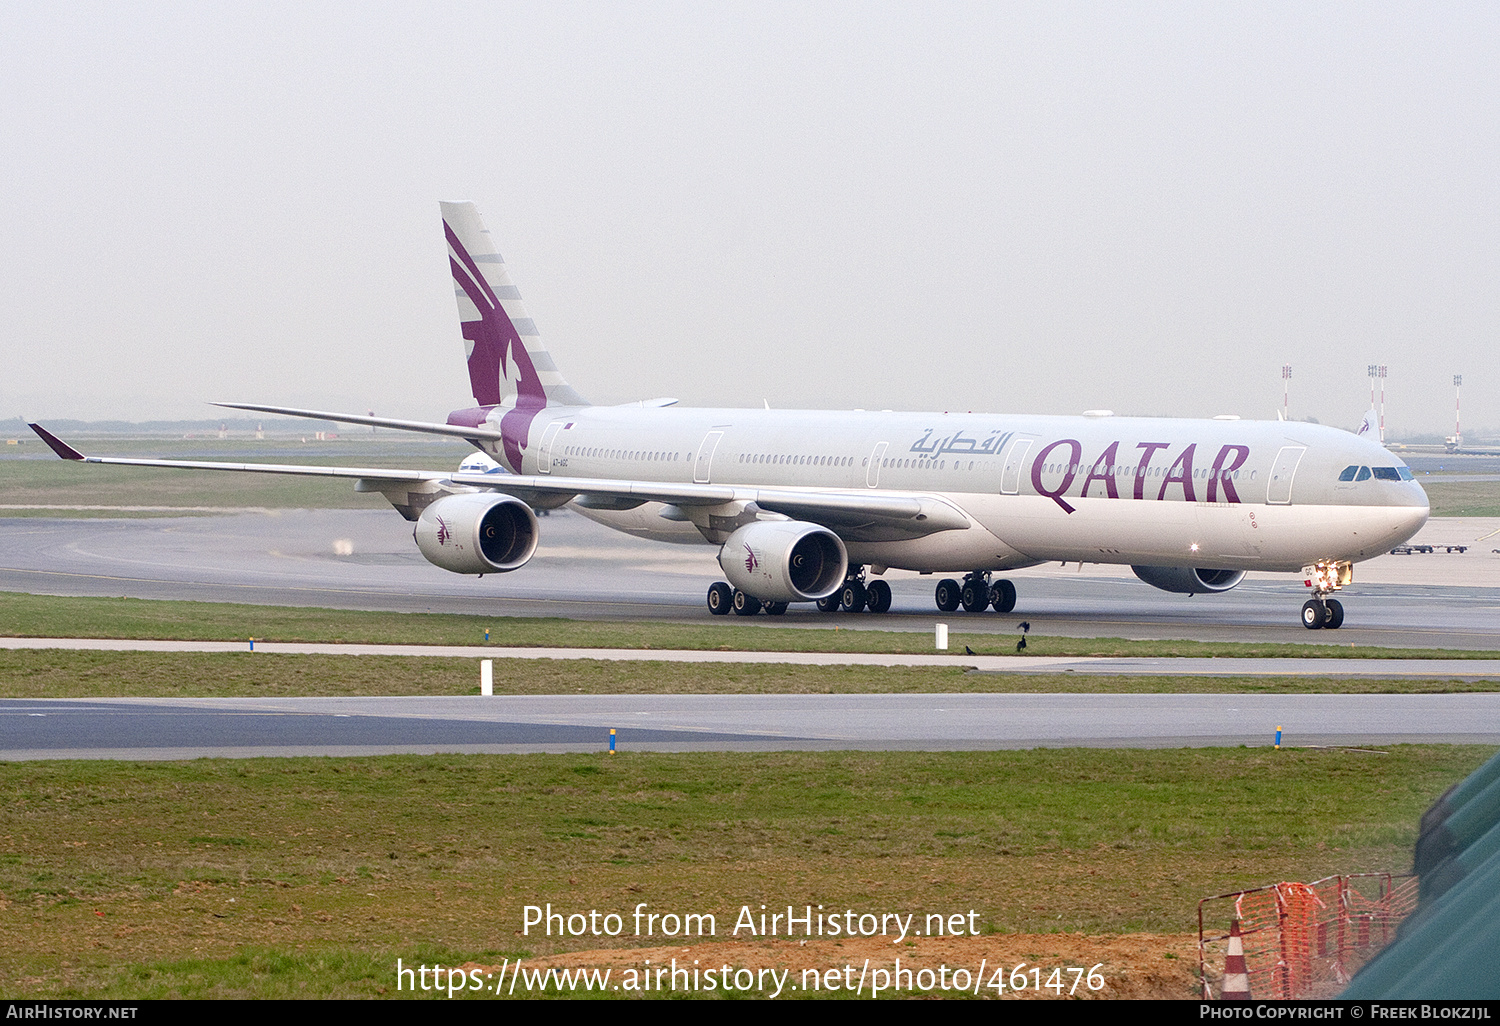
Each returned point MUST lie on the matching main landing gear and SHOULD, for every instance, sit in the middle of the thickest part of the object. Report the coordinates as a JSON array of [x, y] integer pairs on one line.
[[722, 599], [976, 594], [858, 595], [1325, 577], [855, 596]]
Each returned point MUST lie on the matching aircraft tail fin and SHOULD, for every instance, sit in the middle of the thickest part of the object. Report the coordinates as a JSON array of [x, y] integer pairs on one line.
[[508, 364], [1370, 425]]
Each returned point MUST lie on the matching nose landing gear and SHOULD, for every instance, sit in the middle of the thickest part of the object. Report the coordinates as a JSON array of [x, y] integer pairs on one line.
[[1324, 613], [1325, 577]]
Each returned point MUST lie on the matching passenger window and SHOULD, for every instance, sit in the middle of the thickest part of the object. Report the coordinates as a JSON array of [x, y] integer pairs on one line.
[[1364, 474], [1348, 473]]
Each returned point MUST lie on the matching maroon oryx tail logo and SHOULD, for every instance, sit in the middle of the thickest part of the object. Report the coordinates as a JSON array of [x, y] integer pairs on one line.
[[497, 354], [750, 561], [443, 533]]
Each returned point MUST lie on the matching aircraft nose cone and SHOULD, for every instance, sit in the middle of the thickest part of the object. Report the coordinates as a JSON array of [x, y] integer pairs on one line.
[[1406, 522]]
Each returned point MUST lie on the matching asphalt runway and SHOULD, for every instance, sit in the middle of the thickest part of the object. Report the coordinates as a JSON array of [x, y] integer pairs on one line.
[[152, 729], [363, 559]]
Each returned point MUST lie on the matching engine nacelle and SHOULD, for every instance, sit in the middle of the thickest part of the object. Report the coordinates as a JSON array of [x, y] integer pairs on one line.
[[1188, 581], [785, 561], [477, 533]]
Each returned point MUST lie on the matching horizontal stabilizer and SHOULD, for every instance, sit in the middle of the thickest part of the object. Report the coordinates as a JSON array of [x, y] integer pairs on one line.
[[456, 430], [652, 404]]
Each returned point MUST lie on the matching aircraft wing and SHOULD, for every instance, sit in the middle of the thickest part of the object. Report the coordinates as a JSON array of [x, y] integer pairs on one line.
[[857, 515], [67, 452], [862, 515]]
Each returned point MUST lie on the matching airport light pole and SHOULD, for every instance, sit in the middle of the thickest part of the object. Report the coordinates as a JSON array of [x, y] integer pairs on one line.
[[1377, 370], [1458, 430], [1382, 404]]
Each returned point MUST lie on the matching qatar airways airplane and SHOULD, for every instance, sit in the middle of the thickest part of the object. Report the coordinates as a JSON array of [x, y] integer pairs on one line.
[[815, 506]]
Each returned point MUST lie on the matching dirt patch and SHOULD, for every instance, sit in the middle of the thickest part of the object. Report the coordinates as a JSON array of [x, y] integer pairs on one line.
[[1137, 965]]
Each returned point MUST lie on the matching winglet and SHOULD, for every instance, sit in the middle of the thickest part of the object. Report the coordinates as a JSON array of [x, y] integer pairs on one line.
[[57, 445]]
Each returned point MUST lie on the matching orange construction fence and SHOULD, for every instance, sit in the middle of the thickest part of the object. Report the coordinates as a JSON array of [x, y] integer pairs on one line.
[[1303, 940]]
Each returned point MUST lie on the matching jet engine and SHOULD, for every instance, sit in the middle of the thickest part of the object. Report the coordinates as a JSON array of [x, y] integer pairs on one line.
[[785, 561], [1188, 581], [477, 533]]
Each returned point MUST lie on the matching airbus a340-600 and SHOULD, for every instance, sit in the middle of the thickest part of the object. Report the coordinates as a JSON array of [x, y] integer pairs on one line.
[[814, 506]]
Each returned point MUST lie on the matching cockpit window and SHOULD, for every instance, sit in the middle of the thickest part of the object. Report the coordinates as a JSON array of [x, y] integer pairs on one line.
[[1358, 473]]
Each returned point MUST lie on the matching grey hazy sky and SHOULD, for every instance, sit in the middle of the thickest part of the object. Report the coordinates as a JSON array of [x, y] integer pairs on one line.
[[1043, 207]]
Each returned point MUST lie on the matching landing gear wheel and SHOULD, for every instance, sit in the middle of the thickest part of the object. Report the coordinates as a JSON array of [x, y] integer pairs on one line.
[[720, 598], [829, 604], [1313, 614], [975, 596], [947, 595], [745, 605], [775, 608], [853, 597], [1333, 619], [1003, 596], [878, 597]]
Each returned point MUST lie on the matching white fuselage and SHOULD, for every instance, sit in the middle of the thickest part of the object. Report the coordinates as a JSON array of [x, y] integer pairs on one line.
[[1226, 494]]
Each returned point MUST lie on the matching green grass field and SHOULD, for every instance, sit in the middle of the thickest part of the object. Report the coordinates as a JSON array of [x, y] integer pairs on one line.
[[57, 673], [1463, 498], [309, 877], [46, 616]]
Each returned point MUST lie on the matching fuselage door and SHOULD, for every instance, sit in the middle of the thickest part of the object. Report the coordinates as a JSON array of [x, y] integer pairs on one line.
[[1279, 487], [703, 465], [1015, 459], [872, 472], [544, 451]]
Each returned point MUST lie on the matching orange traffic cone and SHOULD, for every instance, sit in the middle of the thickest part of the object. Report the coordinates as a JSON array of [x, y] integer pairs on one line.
[[1236, 975]]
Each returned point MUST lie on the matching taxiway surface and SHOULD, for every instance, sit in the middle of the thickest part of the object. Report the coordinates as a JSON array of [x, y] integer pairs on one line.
[[153, 728]]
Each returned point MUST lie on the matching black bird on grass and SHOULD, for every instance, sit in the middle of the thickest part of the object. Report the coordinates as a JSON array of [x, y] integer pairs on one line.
[[969, 651], [1021, 645]]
